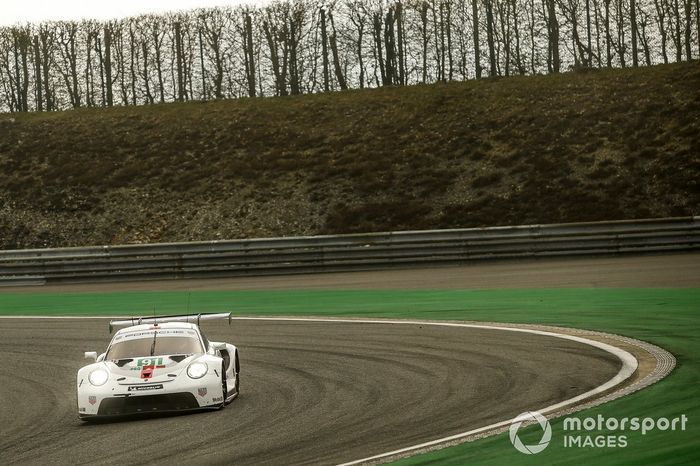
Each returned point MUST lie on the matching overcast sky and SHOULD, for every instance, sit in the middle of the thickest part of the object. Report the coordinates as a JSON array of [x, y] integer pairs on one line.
[[20, 11]]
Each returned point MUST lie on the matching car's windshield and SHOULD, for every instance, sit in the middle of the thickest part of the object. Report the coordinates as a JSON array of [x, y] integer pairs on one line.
[[154, 343]]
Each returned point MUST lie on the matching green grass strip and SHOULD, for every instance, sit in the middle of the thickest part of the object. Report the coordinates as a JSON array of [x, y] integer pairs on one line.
[[667, 317]]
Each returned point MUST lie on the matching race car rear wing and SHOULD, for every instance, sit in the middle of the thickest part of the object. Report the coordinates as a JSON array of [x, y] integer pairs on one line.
[[190, 318]]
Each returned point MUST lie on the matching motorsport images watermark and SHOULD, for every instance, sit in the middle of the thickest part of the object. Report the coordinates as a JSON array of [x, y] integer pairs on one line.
[[575, 429]]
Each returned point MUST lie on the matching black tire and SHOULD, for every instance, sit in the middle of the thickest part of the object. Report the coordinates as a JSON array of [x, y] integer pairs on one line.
[[238, 375], [224, 387]]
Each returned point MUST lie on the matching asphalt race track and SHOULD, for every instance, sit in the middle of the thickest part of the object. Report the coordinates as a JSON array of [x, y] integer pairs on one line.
[[320, 393], [312, 392]]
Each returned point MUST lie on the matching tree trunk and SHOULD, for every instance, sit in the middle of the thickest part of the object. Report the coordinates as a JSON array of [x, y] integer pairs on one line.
[[178, 53], [377, 22], [157, 43], [146, 84], [621, 34], [634, 32], [439, 57], [424, 28], [250, 55], [201, 63], [504, 21], [89, 85], [37, 75], [697, 22], [294, 83], [336, 57], [448, 30], [516, 29], [100, 56], [677, 36], [46, 63], [661, 23], [554, 36], [360, 25], [597, 29], [608, 37], [588, 31], [108, 66], [477, 53], [324, 47], [442, 43], [24, 48], [280, 85], [390, 48], [18, 75], [489, 37], [688, 28], [132, 63], [71, 58], [400, 43]]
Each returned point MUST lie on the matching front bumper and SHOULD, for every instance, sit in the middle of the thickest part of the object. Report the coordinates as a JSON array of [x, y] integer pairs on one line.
[[116, 406], [114, 399]]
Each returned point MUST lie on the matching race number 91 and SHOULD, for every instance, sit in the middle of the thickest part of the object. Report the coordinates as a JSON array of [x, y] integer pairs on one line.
[[149, 362]]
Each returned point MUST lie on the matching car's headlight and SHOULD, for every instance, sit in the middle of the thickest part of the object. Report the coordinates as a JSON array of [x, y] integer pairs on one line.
[[98, 377], [196, 370]]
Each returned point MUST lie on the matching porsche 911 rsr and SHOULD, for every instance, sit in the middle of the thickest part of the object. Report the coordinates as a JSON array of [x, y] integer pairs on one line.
[[158, 364]]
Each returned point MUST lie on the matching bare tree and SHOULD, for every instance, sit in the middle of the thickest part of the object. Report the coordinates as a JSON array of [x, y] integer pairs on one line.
[[400, 41], [608, 36], [37, 75], [490, 37], [68, 67], [337, 68], [688, 8], [475, 27], [296, 46], [634, 33], [109, 81], [378, 49], [324, 48], [553, 34], [358, 17], [275, 27], [47, 39], [249, 53], [212, 26]]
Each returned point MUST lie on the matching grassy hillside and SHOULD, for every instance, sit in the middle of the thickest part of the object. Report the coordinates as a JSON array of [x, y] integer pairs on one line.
[[612, 144]]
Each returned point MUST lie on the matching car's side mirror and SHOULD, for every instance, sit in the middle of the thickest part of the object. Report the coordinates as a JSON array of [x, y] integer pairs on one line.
[[91, 355], [219, 346]]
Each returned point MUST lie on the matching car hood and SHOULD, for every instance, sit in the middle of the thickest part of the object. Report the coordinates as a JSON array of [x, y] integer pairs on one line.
[[147, 369]]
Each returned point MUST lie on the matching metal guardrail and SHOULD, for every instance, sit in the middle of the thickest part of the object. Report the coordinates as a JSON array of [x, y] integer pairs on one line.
[[277, 256]]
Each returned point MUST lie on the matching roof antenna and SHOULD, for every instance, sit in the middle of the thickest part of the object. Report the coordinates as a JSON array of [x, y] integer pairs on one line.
[[189, 294]]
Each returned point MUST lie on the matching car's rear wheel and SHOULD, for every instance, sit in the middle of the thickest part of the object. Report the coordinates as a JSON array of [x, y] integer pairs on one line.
[[224, 387], [238, 375], [237, 383]]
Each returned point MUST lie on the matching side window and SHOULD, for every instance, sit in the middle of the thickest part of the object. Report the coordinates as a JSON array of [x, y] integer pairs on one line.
[[204, 340]]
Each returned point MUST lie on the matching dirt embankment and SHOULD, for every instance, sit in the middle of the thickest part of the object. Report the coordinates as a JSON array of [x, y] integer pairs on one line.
[[613, 144]]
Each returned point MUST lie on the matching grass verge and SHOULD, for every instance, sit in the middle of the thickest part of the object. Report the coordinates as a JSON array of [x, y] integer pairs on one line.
[[666, 317]]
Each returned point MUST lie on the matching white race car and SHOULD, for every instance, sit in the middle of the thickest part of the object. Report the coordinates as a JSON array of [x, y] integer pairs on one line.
[[159, 364]]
